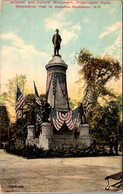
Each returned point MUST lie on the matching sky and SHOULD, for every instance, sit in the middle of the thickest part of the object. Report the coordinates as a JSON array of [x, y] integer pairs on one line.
[[26, 38]]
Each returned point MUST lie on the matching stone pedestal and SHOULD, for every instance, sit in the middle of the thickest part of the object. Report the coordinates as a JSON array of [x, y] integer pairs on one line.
[[31, 135], [31, 131], [84, 134], [45, 137]]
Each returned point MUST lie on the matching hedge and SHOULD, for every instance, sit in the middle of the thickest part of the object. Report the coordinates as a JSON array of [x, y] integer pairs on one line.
[[31, 152]]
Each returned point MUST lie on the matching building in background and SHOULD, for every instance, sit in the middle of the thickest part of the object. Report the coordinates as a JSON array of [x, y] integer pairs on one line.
[[4, 125]]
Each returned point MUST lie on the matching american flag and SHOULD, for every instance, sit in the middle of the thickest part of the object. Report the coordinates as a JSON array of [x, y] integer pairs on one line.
[[49, 79], [70, 118], [87, 99], [57, 118], [38, 100], [19, 101]]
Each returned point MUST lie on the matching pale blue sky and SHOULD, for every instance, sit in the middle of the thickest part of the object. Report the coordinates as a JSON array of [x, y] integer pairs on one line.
[[27, 38]]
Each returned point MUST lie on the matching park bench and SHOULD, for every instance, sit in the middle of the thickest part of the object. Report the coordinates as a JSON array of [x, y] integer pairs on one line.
[[118, 177]]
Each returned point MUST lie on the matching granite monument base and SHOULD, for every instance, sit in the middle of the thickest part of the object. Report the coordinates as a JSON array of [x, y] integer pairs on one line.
[[31, 140], [84, 134], [48, 140], [45, 136]]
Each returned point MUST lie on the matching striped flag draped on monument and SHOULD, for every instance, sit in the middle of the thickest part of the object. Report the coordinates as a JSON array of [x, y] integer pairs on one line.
[[57, 118], [69, 122], [49, 79], [19, 101], [70, 118], [60, 118], [38, 100]]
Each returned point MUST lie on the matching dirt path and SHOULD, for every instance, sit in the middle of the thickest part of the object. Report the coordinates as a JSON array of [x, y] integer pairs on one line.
[[56, 175]]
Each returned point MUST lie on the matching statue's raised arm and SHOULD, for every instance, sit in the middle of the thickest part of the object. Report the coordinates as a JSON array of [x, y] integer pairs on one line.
[[56, 42]]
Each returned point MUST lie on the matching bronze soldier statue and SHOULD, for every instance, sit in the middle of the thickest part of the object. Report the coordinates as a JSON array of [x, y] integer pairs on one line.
[[82, 114], [46, 111], [76, 131], [56, 42], [33, 116]]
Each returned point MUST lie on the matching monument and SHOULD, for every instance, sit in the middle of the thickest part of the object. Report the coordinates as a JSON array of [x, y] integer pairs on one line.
[[56, 87], [64, 126]]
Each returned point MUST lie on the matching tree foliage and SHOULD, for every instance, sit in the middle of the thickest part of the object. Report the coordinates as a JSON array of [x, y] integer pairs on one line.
[[96, 72], [73, 104], [4, 116], [3, 98], [4, 123], [30, 104], [104, 120], [18, 129]]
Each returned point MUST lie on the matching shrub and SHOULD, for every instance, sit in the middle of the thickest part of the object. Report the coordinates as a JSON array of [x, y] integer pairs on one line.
[[20, 149]]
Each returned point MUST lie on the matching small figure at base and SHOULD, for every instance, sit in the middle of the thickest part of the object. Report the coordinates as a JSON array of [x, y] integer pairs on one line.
[[82, 114], [116, 145], [56, 42], [33, 116], [76, 132], [111, 146], [46, 111]]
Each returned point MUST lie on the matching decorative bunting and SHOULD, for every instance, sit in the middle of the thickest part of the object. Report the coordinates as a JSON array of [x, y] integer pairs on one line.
[[69, 118], [57, 118], [49, 79]]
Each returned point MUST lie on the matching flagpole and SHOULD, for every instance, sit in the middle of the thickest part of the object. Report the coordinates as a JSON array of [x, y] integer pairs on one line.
[[16, 92], [22, 106], [16, 100]]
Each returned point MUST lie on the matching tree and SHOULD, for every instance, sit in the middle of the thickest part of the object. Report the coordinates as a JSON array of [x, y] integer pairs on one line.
[[12, 88], [3, 98], [73, 103], [4, 123], [96, 72], [18, 129], [29, 105], [104, 120]]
